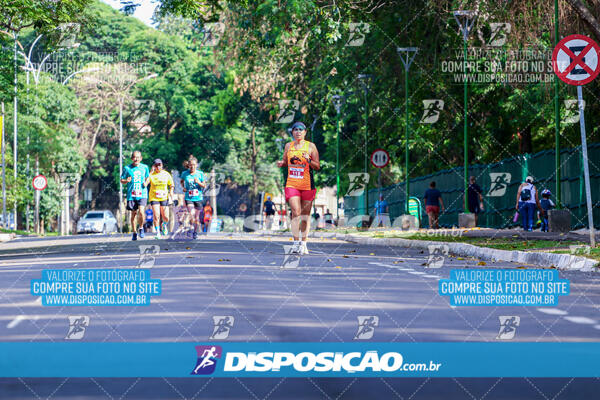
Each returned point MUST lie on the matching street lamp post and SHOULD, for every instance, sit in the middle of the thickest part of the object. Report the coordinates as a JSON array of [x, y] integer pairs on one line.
[[337, 103], [465, 27], [36, 78], [407, 59], [15, 129], [364, 79]]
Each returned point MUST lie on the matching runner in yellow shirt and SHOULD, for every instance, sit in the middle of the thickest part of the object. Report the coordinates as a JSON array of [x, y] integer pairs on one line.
[[161, 190]]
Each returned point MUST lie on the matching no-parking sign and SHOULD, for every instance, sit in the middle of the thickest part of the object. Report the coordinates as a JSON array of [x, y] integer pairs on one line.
[[575, 60], [40, 182], [380, 158]]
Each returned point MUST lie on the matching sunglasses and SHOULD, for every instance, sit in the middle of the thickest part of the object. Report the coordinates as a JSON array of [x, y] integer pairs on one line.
[[297, 129]]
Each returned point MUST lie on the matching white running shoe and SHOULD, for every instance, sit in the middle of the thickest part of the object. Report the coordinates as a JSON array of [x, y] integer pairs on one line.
[[304, 249]]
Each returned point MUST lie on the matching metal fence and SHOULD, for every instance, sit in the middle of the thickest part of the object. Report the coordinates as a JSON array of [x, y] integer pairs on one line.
[[499, 199]]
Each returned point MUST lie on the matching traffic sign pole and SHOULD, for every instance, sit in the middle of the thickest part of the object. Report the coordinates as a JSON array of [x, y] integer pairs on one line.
[[576, 61], [586, 168]]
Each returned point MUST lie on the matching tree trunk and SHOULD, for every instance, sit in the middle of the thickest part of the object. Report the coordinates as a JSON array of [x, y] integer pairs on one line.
[[253, 168], [587, 16], [525, 143], [75, 215]]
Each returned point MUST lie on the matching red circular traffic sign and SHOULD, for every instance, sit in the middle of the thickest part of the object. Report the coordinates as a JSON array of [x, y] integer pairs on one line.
[[575, 60], [380, 158], [40, 182]]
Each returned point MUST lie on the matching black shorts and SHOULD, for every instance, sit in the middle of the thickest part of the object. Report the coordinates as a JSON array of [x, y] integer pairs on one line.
[[272, 212], [133, 205], [163, 203], [475, 208], [197, 204]]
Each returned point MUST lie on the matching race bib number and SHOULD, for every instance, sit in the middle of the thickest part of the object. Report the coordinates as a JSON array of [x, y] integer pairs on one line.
[[296, 173], [193, 192], [161, 194], [136, 193]]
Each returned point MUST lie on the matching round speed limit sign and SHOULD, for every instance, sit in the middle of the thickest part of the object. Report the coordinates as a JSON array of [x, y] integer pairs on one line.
[[40, 182], [380, 158]]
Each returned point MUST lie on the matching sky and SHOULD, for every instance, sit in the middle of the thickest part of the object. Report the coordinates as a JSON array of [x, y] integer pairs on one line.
[[143, 13]]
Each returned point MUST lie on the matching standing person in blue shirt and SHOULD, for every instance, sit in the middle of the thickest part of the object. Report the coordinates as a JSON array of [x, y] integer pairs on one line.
[[134, 175], [192, 181], [527, 200], [433, 199], [547, 205], [381, 212]]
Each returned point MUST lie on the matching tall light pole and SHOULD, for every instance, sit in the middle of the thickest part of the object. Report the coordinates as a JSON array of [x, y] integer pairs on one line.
[[468, 20], [15, 129], [337, 103], [29, 67], [556, 116], [4, 222], [407, 59], [121, 94], [364, 79]]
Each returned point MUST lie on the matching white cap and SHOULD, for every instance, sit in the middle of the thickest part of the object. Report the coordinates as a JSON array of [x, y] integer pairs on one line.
[[529, 179]]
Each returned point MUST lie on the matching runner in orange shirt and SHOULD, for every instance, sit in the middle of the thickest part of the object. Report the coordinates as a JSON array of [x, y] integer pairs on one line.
[[301, 157]]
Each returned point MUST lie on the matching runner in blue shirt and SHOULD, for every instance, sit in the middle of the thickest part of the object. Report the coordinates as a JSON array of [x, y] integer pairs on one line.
[[193, 182], [134, 176]]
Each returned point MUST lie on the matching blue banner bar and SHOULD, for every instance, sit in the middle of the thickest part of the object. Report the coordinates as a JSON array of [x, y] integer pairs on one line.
[[260, 359]]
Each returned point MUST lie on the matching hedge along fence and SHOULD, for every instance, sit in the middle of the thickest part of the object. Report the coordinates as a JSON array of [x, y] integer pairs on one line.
[[499, 210]]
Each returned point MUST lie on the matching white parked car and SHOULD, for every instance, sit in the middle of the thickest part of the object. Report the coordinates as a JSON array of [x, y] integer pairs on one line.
[[97, 221]]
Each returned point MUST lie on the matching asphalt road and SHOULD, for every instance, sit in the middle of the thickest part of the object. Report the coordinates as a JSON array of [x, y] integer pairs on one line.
[[320, 300]]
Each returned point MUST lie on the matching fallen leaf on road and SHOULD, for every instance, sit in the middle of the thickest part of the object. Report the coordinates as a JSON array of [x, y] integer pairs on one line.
[[481, 263], [371, 254], [189, 257], [337, 266], [224, 259], [459, 258], [188, 248], [329, 259], [97, 254], [346, 256]]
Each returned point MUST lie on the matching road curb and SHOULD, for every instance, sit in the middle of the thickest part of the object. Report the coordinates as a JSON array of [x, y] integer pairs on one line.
[[7, 237], [537, 258], [540, 259]]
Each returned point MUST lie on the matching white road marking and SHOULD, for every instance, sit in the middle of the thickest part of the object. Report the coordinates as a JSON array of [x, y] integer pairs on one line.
[[432, 276], [17, 320], [581, 320], [552, 311], [417, 273], [597, 326], [391, 266]]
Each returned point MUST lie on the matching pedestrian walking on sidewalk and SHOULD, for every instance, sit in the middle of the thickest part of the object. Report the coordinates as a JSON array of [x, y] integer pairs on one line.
[[433, 200], [475, 198], [527, 200]]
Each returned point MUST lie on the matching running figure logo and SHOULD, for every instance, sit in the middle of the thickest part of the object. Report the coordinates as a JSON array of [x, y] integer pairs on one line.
[[579, 250], [437, 255], [366, 326], [207, 359], [508, 327], [358, 32], [223, 324], [499, 33], [358, 183], [287, 111], [212, 33], [219, 179], [290, 260], [499, 183], [148, 255], [77, 327], [432, 110], [572, 111]]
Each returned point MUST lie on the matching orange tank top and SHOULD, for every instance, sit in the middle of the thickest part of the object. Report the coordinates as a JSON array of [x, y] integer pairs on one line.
[[300, 175]]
